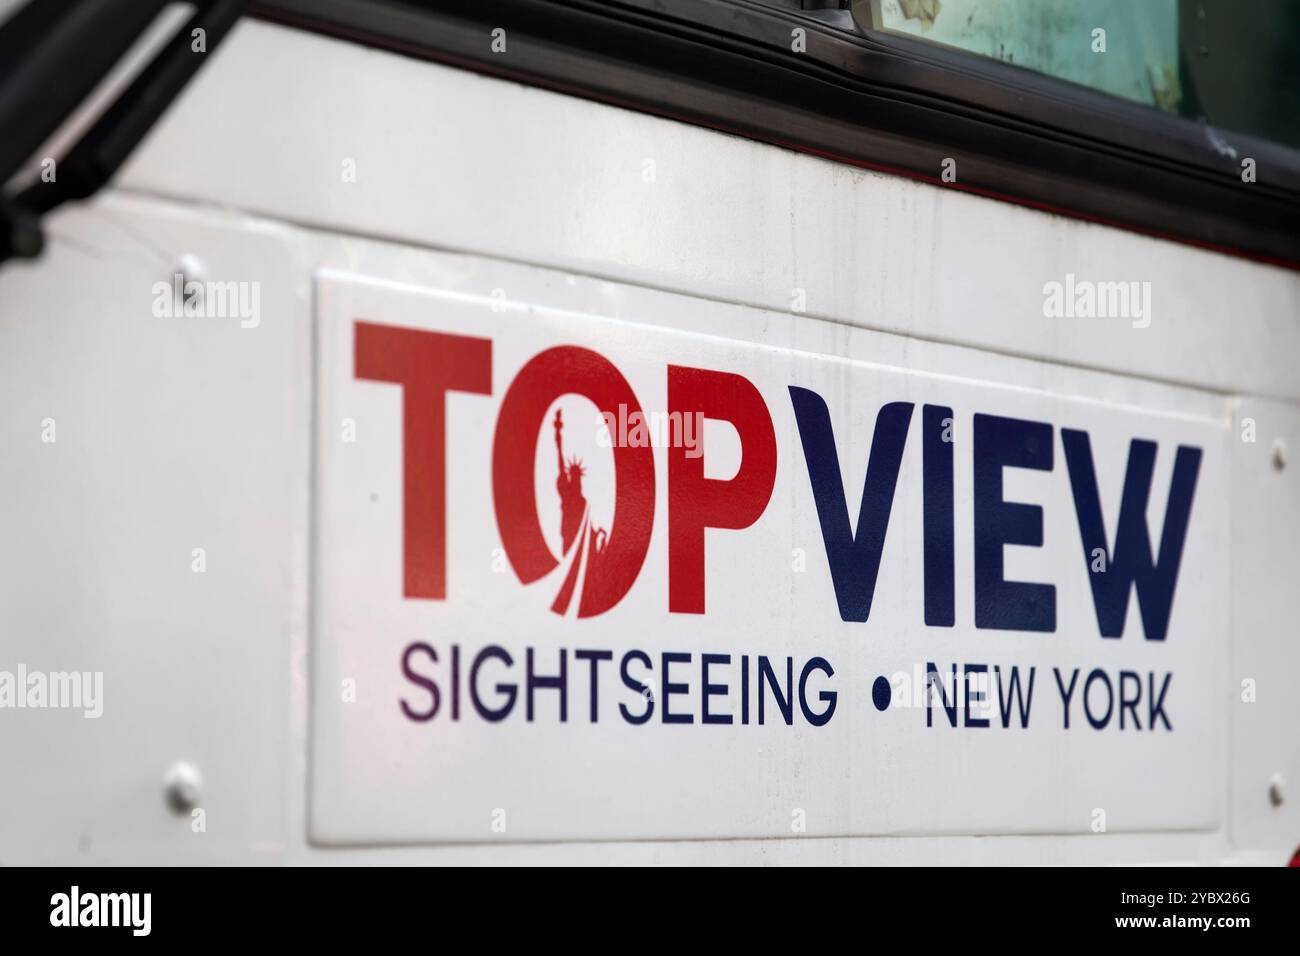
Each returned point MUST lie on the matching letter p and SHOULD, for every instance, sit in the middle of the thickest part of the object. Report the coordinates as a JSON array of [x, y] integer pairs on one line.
[[696, 502]]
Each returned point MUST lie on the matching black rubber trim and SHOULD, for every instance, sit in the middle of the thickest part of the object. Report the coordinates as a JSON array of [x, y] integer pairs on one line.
[[52, 53], [105, 147], [867, 98]]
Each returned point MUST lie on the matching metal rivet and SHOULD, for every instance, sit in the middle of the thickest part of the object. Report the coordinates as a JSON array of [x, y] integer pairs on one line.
[[1279, 454], [1275, 790], [181, 786], [189, 269]]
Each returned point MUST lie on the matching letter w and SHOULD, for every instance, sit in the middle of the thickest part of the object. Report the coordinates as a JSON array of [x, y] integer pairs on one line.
[[854, 556], [1131, 562]]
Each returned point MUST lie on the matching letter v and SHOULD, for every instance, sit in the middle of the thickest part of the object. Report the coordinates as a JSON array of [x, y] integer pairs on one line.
[[853, 555]]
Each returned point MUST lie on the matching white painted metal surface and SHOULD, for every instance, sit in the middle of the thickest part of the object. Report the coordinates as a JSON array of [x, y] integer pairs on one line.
[[182, 433], [394, 773]]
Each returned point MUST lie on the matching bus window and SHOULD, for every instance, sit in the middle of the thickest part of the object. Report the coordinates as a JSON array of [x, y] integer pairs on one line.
[[1236, 66]]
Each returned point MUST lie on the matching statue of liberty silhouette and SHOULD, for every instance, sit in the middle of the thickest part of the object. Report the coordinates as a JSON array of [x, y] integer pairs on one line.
[[568, 484], [575, 520]]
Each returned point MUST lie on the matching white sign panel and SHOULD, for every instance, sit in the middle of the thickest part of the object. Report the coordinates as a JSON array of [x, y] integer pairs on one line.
[[583, 578]]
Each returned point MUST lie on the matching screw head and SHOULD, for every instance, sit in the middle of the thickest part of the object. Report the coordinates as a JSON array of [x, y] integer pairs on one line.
[[182, 786], [189, 268], [1279, 454], [1276, 790]]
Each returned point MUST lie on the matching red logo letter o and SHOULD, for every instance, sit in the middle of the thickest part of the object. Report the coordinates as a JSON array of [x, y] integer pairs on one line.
[[570, 370]]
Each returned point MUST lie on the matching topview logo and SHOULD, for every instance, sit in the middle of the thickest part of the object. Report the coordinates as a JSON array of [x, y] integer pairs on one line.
[[601, 541]]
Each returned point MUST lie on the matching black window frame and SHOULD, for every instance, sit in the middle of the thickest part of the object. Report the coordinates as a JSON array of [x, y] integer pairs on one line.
[[870, 98], [874, 99]]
